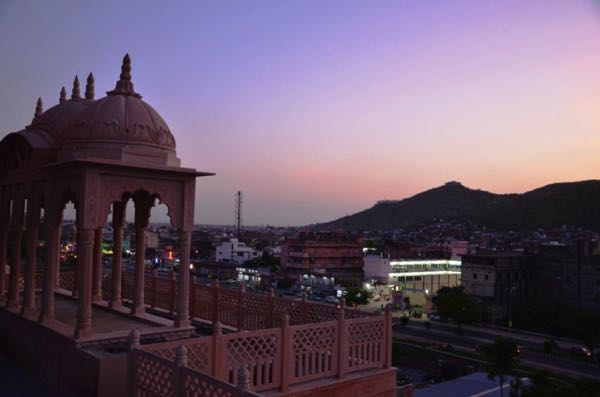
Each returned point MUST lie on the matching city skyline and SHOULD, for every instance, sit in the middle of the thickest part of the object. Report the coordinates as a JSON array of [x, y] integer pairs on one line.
[[318, 110]]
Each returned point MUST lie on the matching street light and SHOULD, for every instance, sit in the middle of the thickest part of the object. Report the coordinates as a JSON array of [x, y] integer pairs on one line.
[[509, 310]]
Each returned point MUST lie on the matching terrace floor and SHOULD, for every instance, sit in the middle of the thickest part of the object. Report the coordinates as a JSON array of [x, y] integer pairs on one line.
[[104, 320]]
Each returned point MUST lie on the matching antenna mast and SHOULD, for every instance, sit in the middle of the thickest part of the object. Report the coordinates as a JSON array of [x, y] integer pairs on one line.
[[238, 214]]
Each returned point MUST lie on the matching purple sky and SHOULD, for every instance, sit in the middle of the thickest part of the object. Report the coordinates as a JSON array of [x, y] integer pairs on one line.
[[316, 109]]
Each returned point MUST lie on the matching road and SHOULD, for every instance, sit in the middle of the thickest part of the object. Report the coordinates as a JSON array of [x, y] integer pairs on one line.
[[530, 355]]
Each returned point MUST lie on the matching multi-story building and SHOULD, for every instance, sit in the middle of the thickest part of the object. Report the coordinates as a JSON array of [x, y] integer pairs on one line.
[[336, 255], [235, 252], [549, 273]]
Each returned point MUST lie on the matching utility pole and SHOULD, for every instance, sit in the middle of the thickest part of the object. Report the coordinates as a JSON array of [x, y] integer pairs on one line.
[[238, 214]]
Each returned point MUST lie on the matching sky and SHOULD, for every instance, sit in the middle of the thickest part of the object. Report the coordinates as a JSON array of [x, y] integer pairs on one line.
[[317, 109]]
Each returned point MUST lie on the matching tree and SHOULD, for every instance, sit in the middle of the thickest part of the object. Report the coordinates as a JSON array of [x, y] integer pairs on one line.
[[452, 302], [500, 356], [358, 296]]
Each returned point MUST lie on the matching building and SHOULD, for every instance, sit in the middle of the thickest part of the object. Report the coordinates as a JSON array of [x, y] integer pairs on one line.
[[235, 252], [418, 280], [99, 154], [325, 254]]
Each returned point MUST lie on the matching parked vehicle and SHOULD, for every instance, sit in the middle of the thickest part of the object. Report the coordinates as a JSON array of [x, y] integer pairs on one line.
[[332, 299], [580, 351]]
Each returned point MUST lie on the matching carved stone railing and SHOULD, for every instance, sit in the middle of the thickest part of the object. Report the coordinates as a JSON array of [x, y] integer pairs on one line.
[[277, 358], [232, 307], [155, 376]]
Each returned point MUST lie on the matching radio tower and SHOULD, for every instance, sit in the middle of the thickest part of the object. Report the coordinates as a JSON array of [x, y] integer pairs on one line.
[[238, 214]]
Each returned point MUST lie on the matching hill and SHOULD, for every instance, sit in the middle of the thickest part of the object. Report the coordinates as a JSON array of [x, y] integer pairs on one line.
[[572, 203]]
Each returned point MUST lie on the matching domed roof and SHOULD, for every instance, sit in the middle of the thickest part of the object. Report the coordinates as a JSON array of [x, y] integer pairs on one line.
[[121, 118], [57, 119]]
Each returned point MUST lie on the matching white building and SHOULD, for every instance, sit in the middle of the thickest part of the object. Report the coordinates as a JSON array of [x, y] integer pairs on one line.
[[235, 252]]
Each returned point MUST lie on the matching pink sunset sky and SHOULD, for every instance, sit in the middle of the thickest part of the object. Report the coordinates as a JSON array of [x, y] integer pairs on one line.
[[317, 109]]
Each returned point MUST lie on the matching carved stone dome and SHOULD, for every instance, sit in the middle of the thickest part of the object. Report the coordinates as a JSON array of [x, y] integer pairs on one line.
[[123, 119], [57, 120], [120, 127]]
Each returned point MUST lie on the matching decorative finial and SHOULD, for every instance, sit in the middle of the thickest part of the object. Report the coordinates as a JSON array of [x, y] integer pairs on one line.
[[89, 87], [38, 108], [75, 92], [124, 85], [63, 95]]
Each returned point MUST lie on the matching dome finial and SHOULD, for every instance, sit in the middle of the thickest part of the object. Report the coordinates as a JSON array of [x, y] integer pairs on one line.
[[38, 108], [124, 85], [75, 92], [63, 95], [89, 87]]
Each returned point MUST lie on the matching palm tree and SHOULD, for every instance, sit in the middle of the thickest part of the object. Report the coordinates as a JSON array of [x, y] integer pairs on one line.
[[500, 356]]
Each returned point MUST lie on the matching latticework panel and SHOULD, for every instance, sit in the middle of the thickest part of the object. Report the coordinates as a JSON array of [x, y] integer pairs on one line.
[[166, 291], [198, 352], [289, 307], [127, 286], [315, 351], [202, 301], [366, 343], [318, 312], [66, 280], [256, 310], [39, 280], [228, 307], [153, 375], [148, 289], [258, 352], [200, 385]]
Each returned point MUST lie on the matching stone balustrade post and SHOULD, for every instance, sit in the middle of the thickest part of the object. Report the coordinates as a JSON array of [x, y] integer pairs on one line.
[[243, 379], [183, 291], [97, 265], [216, 293], [33, 227], [172, 293], [154, 288], [342, 341], [270, 323], [240, 307], [85, 257], [133, 339], [219, 355], [192, 297], [286, 355], [388, 337], [133, 343], [304, 309], [180, 361]]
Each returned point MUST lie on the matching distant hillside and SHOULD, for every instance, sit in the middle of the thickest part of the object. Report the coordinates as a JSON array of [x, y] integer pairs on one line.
[[574, 203]]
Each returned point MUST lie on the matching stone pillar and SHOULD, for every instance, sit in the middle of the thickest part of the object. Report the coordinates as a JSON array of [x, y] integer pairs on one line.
[[183, 291], [33, 227], [3, 247], [52, 237], [15, 265], [59, 246], [85, 247], [97, 265], [142, 216], [118, 224]]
